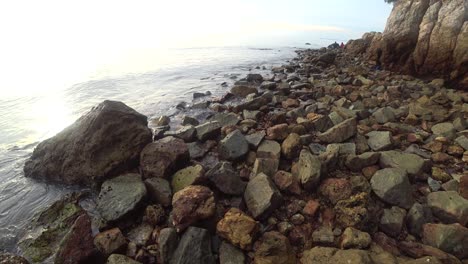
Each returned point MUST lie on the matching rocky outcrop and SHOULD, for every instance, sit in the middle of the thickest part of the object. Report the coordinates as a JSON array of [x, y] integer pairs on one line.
[[422, 37], [102, 143]]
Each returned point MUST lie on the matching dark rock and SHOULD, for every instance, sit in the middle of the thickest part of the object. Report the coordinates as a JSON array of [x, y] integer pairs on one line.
[[100, 144], [291, 146], [267, 166], [392, 221], [254, 77], [418, 215], [309, 170], [392, 186], [261, 196], [190, 121], [141, 234], [226, 119], [192, 204], [226, 179], [255, 139], [340, 132], [243, 91], [357, 163], [163, 157], [194, 248], [186, 133], [120, 196], [452, 238], [110, 241], [208, 130], [228, 254], [449, 207], [167, 242], [120, 259], [234, 146], [273, 247], [159, 191], [6, 258], [154, 215]]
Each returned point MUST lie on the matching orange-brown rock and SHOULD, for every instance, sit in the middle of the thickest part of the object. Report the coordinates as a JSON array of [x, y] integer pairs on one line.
[[238, 228]]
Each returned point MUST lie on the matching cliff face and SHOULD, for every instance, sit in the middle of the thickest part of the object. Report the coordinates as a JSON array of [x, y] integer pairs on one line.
[[424, 38]]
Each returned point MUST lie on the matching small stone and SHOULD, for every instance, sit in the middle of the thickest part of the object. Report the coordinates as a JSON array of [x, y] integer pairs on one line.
[[233, 146], [228, 254], [392, 221], [368, 172], [297, 219], [290, 102], [226, 179], [161, 121], [354, 238], [110, 241], [208, 130], [159, 191], [273, 247], [192, 204], [243, 91], [188, 176], [311, 207], [254, 115], [352, 212], [119, 196], [452, 239], [417, 216], [380, 140], [269, 149], [444, 129], [238, 228], [463, 187], [309, 170], [154, 214], [167, 242], [392, 186], [255, 139], [384, 115], [268, 85], [323, 235], [411, 163], [462, 141], [141, 234], [291, 146], [449, 207], [340, 132], [261, 196], [190, 121], [194, 247], [440, 175], [186, 133], [266, 166], [287, 182], [120, 259], [278, 132], [357, 163], [335, 189]]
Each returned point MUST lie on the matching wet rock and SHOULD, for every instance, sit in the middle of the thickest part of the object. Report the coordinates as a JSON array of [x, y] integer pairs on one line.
[[225, 119], [192, 204], [159, 191], [444, 130], [208, 130], [141, 234], [380, 140], [163, 157], [340, 132], [238, 228], [110, 241], [194, 247], [226, 179], [357, 163], [452, 238], [186, 133], [57, 230], [449, 207], [269, 149], [190, 121], [198, 149], [167, 242], [278, 132], [261, 196], [273, 247], [309, 170], [243, 91], [120, 259], [384, 115], [228, 254], [254, 77], [187, 176], [268, 85], [120, 196], [392, 186], [102, 143], [291, 146], [392, 221], [287, 182], [411, 163], [418, 215], [234, 146], [354, 238]]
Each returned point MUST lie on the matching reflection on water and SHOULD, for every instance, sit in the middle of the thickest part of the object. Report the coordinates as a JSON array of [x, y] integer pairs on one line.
[[151, 84]]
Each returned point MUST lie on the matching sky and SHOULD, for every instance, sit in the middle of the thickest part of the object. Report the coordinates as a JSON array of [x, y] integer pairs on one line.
[[51, 33]]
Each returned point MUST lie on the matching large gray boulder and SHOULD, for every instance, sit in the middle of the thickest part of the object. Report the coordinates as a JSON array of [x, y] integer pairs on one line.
[[102, 143]]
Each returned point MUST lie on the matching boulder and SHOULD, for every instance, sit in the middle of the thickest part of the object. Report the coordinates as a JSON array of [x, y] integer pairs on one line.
[[309, 170], [234, 146], [238, 228], [273, 247], [226, 179], [261, 196], [163, 157], [102, 143], [120, 196], [340, 132], [194, 247], [392, 186], [449, 207], [192, 204], [452, 238], [57, 230]]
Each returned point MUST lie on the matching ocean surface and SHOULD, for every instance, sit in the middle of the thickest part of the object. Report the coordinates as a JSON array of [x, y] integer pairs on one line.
[[153, 83]]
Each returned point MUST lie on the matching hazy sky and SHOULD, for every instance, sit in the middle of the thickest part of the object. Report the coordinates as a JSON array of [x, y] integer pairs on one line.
[[51, 33]]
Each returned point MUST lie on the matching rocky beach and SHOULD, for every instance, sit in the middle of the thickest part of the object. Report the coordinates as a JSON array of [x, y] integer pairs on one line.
[[341, 155]]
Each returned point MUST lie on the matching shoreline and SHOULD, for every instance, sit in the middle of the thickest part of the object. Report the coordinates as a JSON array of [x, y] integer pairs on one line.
[[303, 160]]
